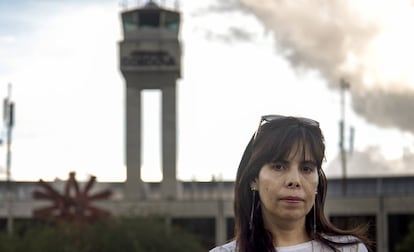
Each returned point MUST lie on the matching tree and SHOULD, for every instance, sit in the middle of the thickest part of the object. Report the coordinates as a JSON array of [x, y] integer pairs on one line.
[[407, 244]]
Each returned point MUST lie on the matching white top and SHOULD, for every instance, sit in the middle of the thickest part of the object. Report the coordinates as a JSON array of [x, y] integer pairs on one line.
[[304, 247]]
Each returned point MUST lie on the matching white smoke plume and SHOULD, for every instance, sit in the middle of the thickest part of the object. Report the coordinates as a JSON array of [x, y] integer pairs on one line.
[[369, 43], [371, 163]]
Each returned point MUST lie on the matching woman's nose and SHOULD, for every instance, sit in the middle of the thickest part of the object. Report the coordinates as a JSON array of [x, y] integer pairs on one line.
[[293, 180], [293, 184]]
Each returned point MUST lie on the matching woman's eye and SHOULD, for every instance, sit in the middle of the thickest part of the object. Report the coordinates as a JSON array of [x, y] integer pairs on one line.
[[308, 169], [277, 166]]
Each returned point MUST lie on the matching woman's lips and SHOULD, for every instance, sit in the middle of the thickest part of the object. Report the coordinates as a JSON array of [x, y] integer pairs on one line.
[[292, 199]]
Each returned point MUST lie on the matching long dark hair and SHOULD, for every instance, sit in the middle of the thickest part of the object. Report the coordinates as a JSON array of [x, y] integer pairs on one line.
[[274, 141]]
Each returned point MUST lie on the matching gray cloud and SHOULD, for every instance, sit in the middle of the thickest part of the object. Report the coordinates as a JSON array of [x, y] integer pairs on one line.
[[232, 35], [222, 6], [233, 32]]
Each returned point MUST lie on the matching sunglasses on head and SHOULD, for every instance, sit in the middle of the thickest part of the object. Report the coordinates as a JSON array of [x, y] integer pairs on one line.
[[268, 118]]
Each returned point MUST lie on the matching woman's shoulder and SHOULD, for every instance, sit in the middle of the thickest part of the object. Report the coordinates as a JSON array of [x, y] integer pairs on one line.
[[228, 247], [355, 244], [341, 238]]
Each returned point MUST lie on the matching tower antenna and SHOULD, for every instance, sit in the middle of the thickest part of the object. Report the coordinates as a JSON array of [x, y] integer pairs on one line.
[[8, 120], [123, 4], [344, 85]]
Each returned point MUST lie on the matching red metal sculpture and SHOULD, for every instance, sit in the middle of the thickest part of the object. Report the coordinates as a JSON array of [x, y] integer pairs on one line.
[[74, 205]]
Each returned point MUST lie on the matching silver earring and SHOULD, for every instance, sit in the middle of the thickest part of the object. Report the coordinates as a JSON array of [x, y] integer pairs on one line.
[[314, 216], [252, 209]]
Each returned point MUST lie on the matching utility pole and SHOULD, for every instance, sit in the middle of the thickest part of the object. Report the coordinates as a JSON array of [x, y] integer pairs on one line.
[[8, 120], [344, 85]]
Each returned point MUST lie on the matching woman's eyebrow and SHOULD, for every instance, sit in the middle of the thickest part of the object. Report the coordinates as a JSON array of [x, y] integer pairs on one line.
[[284, 161], [308, 162]]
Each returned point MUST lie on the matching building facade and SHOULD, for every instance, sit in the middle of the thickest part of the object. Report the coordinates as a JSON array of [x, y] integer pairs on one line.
[[206, 208]]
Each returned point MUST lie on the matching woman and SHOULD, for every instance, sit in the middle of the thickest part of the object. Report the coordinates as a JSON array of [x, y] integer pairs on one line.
[[280, 193]]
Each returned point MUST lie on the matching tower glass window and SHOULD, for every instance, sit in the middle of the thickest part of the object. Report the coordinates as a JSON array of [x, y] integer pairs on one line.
[[172, 20], [129, 22], [149, 19]]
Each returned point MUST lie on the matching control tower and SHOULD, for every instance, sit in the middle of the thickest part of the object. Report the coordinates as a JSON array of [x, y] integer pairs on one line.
[[150, 58]]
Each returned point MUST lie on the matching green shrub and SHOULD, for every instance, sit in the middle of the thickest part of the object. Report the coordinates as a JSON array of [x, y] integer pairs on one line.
[[118, 234]]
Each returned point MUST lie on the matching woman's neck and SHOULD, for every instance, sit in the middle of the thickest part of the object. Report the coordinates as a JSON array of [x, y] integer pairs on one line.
[[286, 234]]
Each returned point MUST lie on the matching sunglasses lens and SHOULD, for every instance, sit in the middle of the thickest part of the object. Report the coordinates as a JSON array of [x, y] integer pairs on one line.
[[269, 118], [309, 121]]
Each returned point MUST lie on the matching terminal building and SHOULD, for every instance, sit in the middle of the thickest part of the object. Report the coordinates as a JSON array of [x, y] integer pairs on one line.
[[150, 58]]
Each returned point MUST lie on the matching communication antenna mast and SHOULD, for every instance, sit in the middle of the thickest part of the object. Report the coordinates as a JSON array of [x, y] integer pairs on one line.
[[351, 139], [8, 121], [344, 85]]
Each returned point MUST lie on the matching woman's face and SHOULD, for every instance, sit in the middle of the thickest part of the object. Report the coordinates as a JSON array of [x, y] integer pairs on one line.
[[287, 188]]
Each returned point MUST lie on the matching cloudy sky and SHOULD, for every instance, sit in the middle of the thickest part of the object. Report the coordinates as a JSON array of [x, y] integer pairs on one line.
[[241, 59]]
